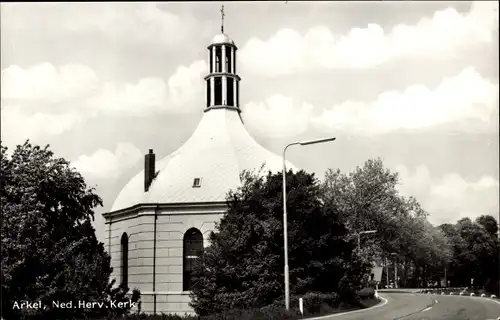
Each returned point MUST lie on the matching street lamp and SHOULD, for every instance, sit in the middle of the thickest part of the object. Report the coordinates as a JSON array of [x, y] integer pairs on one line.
[[285, 221], [364, 232], [394, 254]]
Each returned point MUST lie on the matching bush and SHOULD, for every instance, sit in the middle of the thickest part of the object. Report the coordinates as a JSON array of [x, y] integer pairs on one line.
[[316, 302], [366, 293], [372, 284], [266, 313]]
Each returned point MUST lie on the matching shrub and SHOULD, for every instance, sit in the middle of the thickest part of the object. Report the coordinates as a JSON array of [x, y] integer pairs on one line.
[[315, 302], [366, 293], [266, 313]]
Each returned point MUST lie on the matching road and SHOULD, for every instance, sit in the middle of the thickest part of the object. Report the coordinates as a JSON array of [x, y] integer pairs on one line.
[[410, 306]]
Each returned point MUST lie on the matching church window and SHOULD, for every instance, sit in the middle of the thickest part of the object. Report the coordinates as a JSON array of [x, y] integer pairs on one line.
[[124, 259], [230, 59], [218, 91], [208, 92], [218, 60], [197, 182], [237, 93], [193, 248], [228, 63], [230, 92]]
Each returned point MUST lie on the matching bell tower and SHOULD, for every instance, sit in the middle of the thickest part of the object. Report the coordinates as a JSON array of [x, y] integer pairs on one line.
[[222, 82]]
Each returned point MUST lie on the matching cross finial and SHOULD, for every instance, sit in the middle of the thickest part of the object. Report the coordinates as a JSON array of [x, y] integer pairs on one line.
[[222, 16]]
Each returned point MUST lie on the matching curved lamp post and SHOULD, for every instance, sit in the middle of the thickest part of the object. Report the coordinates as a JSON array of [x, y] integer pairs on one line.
[[285, 221]]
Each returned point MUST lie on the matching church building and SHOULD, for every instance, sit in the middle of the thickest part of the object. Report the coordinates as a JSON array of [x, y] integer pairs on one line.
[[160, 221]]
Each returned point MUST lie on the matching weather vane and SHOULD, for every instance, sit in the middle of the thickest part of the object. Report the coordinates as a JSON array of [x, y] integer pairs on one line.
[[222, 16]]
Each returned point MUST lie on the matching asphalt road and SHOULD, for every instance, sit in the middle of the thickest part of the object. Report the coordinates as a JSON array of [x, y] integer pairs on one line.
[[410, 306]]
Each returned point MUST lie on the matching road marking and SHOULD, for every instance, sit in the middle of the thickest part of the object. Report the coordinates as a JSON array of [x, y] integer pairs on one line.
[[435, 301], [384, 302], [495, 302], [426, 309]]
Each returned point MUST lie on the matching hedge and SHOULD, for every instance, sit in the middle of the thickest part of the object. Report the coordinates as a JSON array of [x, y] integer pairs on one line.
[[315, 304]]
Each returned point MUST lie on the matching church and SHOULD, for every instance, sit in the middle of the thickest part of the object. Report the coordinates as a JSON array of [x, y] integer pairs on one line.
[[160, 221]]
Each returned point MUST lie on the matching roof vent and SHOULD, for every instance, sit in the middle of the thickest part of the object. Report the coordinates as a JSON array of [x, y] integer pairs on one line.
[[197, 182]]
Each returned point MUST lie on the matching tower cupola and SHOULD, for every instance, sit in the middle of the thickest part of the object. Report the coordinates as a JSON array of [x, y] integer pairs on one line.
[[222, 81]]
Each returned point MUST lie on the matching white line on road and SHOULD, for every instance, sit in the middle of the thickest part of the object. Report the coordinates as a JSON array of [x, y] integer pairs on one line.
[[426, 309], [384, 301]]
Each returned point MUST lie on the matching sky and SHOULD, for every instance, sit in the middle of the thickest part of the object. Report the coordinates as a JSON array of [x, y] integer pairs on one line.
[[414, 83]]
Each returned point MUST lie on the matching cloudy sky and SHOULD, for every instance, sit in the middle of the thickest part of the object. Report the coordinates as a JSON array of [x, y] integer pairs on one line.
[[414, 83]]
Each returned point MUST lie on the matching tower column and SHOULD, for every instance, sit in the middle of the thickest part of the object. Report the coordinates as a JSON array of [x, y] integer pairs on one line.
[[223, 58], [210, 61], [212, 91], [234, 60], [235, 93], [224, 90], [233, 65]]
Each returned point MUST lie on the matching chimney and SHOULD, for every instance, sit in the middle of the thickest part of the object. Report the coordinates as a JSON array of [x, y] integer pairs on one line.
[[149, 169]]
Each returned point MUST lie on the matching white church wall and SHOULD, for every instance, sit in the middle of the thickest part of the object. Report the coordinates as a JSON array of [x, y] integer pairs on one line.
[[138, 229], [170, 228]]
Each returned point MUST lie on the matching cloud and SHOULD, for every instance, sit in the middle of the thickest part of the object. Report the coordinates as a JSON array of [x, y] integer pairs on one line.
[[277, 117], [131, 24], [17, 126], [105, 164], [465, 97], [450, 197], [183, 92], [447, 31], [45, 100], [467, 101], [48, 83]]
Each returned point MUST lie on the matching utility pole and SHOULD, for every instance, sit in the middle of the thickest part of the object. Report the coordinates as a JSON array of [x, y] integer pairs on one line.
[[396, 273], [395, 264], [387, 272], [445, 278]]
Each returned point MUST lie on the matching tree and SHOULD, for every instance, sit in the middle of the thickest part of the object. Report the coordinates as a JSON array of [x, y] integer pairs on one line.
[[475, 252], [243, 266], [49, 249], [489, 223], [368, 199]]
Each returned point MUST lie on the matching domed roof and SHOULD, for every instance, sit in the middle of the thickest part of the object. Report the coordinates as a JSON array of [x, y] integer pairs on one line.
[[222, 38], [217, 152]]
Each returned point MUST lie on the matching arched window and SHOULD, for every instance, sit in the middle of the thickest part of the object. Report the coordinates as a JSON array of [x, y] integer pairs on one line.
[[193, 248], [124, 259]]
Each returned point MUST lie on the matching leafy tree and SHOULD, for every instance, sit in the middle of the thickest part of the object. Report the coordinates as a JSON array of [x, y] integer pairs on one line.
[[368, 199], [243, 266], [475, 252], [49, 248], [489, 223]]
